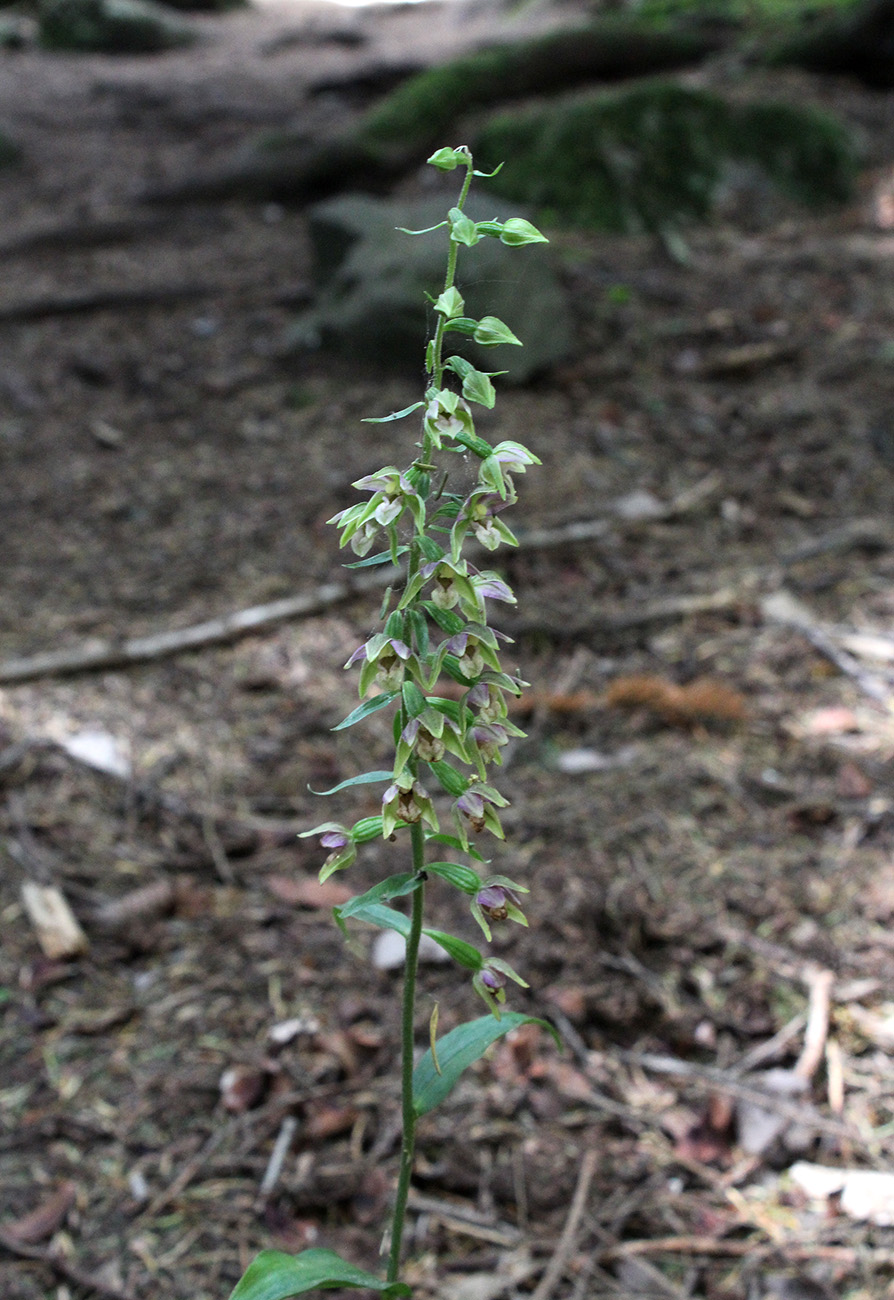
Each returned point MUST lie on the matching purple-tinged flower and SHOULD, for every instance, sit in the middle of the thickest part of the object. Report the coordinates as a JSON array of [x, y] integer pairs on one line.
[[493, 981], [406, 800], [447, 415], [498, 900], [340, 841], [506, 459], [364, 539], [490, 983], [478, 516], [383, 658], [476, 807], [489, 738], [489, 700], [389, 480], [450, 582], [428, 747], [392, 491], [492, 586]]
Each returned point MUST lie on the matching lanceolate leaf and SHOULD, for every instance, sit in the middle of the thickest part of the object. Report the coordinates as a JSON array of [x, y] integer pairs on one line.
[[393, 887], [276, 1276], [386, 918], [395, 415], [458, 1050], [449, 778], [462, 953], [383, 557], [365, 778], [455, 873], [366, 708]]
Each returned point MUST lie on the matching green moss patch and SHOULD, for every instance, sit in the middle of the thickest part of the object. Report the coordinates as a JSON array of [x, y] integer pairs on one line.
[[111, 26], [654, 156], [418, 113]]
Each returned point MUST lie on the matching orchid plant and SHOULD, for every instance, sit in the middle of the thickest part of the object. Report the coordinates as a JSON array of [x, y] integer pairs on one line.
[[436, 666]]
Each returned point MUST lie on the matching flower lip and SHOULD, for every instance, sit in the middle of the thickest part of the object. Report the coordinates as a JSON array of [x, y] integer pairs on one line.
[[335, 839], [491, 899]]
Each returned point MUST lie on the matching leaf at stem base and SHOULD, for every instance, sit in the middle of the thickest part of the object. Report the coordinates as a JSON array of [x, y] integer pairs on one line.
[[273, 1275]]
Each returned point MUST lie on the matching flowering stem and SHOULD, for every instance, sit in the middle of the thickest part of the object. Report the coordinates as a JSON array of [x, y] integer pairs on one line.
[[437, 367], [407, 1040]]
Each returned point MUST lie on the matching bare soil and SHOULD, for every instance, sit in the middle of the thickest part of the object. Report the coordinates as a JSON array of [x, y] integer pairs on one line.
[[695, 856]]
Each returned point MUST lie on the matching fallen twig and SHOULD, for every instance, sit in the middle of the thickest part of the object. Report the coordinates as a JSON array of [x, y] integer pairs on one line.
[[737, 1249], [731, 1083], [229, 627], [557, 1264], [787, 611], [819, 983], [277, 1156]]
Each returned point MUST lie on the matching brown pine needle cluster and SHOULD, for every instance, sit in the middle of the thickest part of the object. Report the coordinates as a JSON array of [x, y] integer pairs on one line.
[[702, 701]]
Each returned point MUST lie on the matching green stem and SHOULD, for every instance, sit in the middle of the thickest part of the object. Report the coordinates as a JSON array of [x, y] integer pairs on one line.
[[407, 1051], [437, 369]]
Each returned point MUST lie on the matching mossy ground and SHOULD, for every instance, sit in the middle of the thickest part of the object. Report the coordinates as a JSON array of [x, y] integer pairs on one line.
[[654, 156]]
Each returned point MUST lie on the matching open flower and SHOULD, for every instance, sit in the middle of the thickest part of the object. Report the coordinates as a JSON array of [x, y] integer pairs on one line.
[[475, 647], [383, 658], [498, 900], [476, 809], [450, 582], [427, 746], [406, 801], [392, 492], [490, 983], [507, 458], [341, 842], [478, 516]]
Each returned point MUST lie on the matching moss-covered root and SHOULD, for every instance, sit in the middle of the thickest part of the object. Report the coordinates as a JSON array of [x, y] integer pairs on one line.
[[653, 157], [419, 112]]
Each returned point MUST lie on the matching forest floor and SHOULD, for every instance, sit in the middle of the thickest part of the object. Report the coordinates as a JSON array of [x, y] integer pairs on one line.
[[703, 808]]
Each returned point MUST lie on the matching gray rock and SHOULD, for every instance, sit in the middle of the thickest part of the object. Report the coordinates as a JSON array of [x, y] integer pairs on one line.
[[373, 280]]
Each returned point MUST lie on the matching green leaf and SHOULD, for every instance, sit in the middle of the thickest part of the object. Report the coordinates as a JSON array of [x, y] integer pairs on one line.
[[365, 778], [395, 415], [453, 842], [474, 444], [455, 873], [446, 619], [418, 623], [427, 231], [386, 918], [476, 386], [273, 1275], [458, 1050], [452, 781], [414, 700], [463, 953], [383, 557], [394, 887], [366, 708]]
